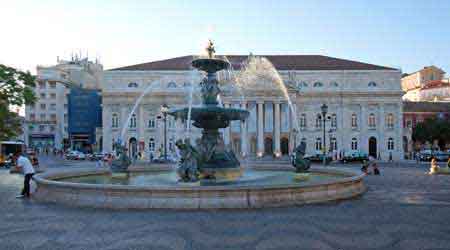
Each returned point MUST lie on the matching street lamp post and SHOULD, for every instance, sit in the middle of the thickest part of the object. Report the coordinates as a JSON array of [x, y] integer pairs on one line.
[[164, 110], [324, 109]]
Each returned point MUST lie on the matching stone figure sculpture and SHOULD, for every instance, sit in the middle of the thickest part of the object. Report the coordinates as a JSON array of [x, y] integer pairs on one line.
[[122, 162], [298, 161], [188, 169]]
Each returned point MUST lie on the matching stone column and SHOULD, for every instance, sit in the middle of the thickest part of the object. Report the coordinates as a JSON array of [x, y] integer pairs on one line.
[[381, 129], [363, 126], [123, 119], [141, 123], [106, 130], [244, 137], [276, 136], [260, 129]]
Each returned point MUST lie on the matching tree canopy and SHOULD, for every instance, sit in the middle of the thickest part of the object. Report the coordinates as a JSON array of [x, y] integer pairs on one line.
[[15, 90], [432, 129]]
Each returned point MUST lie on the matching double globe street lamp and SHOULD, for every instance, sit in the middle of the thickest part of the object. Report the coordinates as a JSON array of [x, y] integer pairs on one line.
[[324, 118], [164, 110]]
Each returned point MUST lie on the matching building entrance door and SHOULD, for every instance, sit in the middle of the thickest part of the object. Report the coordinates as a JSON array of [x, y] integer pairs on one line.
[[373, 147], [268, 146]]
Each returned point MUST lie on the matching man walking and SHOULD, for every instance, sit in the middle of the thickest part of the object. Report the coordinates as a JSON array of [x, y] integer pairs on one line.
[[28, 171]]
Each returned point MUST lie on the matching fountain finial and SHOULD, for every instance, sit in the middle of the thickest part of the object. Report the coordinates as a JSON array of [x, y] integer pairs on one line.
[[210, 49]]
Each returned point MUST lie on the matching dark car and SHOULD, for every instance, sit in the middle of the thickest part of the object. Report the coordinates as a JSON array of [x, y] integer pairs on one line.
[[441, 156], [425, 155], [354, 155], [318, 157]]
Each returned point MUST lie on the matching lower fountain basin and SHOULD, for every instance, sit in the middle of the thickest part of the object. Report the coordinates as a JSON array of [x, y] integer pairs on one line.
[[160, 189]]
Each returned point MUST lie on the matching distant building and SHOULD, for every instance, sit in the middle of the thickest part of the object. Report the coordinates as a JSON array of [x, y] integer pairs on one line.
[[85, 115], [364, 100], [416, 112], [427, 84], [47, 119]]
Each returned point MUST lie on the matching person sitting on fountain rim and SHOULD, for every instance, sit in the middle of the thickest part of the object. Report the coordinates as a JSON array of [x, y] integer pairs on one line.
[[28, 171]]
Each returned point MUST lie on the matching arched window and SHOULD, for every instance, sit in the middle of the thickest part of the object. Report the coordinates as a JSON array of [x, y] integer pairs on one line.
[[302, 121], [354, 121], [354, 144], [334, 84], [132, 85], [318, 121], [390, 120], [372, 84], [151, 145], [372, 121], [333, 144], [151, 122], [171, 85], [318, 144], [318, 84], [115, 121], [390, 144], [333, 121], [133, 121]]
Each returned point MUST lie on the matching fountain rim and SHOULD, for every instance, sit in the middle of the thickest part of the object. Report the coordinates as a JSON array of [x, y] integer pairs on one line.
[[52, 179]]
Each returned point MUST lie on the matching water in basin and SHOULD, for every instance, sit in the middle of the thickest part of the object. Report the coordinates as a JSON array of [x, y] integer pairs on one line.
[[170, 179]]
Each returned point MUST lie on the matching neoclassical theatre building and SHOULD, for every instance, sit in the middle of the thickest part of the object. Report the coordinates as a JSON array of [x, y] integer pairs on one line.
[[364, 105]]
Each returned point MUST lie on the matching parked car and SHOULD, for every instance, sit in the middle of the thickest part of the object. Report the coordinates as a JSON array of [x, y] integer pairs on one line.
[[318, 157], [425, 155], [354, 155], [95, 156], [75, 155], [441, 156]]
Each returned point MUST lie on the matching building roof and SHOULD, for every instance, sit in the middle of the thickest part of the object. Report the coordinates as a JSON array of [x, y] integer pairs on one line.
[[437, 107], [424, 68], [280, 62], [435, 84]]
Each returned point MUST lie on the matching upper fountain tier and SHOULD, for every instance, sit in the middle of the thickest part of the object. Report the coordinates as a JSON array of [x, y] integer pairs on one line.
[[210, 64]]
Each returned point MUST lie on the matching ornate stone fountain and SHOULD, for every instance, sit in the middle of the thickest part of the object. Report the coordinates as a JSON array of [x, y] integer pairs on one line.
[[210, 159]]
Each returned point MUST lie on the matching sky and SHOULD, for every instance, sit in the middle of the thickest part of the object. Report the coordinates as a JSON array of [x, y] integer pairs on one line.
[[403, 34]]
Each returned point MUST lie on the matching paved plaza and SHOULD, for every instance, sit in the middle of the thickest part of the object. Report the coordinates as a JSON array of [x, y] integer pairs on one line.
[[402, 209]]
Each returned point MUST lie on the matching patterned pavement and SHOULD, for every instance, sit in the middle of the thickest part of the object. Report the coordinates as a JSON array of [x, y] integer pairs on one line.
[[403, 209]]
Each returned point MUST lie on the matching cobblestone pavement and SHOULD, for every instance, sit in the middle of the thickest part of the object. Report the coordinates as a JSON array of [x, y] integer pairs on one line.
[[403, 209]]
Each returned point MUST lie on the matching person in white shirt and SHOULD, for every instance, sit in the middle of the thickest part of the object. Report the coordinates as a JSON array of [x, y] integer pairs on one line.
[[28, 171]]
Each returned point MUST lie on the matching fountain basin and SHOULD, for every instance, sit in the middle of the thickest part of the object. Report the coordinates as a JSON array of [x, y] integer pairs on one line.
[[56, 187], [211, 116], [210, 65]]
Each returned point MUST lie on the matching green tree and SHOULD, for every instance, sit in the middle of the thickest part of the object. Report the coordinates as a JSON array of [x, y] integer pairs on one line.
[[432, 129], [15, 89]]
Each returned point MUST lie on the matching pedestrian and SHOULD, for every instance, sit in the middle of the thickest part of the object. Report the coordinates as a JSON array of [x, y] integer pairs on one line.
[[365, 167], [28, 171], [376, 171]]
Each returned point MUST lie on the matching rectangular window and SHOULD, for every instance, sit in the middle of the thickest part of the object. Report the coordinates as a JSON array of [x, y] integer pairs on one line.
[[52, 85], [53, 117], [42, 117], [32, 117], [41, 128], [42, 95], [43, 106], [52, 96], [52, 128], [53, 106], [333, 121], [41, 85], [302, 121]]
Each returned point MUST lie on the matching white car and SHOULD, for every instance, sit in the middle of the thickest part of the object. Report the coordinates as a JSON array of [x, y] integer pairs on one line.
[[75, 155]]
